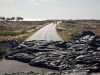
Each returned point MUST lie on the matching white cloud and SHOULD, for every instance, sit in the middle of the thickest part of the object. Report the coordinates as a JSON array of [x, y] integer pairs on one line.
[[43, 0], [38, 2], [6, 0], [34, 2]]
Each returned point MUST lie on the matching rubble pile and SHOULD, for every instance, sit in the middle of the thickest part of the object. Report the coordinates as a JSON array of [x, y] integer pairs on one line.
[[82, 53]]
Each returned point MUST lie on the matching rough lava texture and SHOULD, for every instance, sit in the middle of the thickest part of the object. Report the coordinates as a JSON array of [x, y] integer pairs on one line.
[[80, 53]]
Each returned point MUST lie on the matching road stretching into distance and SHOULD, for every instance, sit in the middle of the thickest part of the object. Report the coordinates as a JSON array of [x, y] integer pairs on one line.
[[47, 33]]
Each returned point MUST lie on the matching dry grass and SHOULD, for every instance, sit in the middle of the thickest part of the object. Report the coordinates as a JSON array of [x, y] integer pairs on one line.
[[19, 30], [21, 36], [29, 33], [75, 27]]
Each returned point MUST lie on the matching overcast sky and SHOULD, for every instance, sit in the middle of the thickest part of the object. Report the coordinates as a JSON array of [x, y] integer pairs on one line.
[[51, 9]]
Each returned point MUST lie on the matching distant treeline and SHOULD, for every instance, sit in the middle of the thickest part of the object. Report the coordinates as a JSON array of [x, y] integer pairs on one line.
[[11, 18]]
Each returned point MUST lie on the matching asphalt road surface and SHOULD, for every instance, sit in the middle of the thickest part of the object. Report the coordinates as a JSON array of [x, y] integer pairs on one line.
[[12, 66], [48, 33]]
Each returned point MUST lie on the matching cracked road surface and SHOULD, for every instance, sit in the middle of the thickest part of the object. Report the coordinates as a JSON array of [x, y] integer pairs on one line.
[[47, 33]]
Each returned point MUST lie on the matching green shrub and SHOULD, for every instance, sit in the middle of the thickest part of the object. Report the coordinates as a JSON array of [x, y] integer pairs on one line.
[[74, 34], [9, 33]]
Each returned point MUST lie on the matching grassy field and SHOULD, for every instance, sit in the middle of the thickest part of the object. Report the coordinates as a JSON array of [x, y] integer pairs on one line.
[[19, 29], [9, 33], [71, 28]]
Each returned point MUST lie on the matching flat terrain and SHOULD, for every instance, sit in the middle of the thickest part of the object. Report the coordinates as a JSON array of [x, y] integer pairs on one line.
[[70, 28], [48, 33], [18, 25], [19, 29], [11, 66], [85, 49]]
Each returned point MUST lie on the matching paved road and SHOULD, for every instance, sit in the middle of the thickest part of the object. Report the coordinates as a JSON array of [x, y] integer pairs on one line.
[[46, 33], [12, 66]]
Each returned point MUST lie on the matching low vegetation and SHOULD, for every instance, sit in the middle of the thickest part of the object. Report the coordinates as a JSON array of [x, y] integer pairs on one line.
[[9, 33], [69, 28], [19, 29]]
